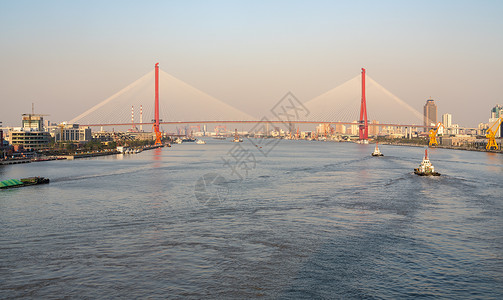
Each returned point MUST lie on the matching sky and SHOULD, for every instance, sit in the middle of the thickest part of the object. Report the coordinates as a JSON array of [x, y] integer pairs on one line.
[[67, 56]]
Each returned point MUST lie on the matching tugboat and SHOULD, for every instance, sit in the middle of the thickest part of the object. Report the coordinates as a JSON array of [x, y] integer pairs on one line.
[[236, 137], [426, 168], [14, 183], [377, 152]]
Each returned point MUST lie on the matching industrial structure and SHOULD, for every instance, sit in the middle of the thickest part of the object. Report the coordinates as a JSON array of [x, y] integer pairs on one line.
[[491, 134], [433, 134]]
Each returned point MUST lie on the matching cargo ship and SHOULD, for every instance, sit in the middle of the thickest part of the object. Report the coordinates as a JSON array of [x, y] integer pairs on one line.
[[14, 183], [426, 168]]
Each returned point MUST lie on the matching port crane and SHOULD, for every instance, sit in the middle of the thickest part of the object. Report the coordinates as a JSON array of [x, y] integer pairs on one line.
[[491, 134], [433, 134]]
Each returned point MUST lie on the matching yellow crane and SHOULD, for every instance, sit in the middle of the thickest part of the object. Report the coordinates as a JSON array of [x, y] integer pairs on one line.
[[491, 134], [433, 134]]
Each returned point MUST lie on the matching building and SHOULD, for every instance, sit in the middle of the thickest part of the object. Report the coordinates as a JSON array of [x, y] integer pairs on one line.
[[430, 114], [447, 120], [353, 129], [374, 130], [71, 133], [31, 136], [458, 141], [497, 111], [29, 139], [340, 128], [33, 122]]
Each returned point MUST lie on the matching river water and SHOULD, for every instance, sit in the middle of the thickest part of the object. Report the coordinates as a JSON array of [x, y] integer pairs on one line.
[[295, 219]]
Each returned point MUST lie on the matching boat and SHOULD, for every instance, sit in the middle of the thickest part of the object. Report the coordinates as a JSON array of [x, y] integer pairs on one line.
[[426, 168], [200, 142], [219, 137], [188, 139], [236, 137], [377, 152], [178, 141], [14, 183]]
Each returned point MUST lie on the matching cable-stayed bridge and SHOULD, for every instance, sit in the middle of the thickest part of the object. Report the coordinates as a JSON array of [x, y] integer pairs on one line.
[[181, 103]]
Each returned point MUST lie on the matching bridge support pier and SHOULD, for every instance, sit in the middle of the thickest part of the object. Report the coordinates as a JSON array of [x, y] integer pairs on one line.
[[364, 127], [156, 115]]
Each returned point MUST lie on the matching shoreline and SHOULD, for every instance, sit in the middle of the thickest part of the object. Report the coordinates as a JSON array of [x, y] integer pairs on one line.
[[444, 147]]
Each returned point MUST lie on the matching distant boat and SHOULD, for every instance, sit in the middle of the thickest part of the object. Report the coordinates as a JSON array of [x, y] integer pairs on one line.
[[236, 137], [377, 152], [188, 140], [200, 142], [426, 168], [219, 137]]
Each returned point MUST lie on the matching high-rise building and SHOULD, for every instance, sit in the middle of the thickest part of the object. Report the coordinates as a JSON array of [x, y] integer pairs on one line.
[[497, 112], [430, 113], [447, 120]]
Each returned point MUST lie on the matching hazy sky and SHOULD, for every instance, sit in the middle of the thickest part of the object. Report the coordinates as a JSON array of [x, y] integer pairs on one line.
[[66, 56]]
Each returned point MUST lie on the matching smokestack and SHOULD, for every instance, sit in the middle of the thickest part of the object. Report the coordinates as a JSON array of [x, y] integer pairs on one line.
[[132, 117], [141, 118]]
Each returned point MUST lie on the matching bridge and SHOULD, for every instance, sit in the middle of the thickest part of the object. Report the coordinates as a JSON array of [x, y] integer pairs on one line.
[[178, 103]]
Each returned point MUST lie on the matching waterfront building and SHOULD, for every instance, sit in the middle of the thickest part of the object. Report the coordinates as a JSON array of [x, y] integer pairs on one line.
[[458, 141], [353, 129], [323, 130], [31, 135], [29, 139], [71, 133], [430, 114], [340, 128], [374, 130]]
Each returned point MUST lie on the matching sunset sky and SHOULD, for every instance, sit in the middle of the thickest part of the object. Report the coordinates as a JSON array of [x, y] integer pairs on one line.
[[67, 56]]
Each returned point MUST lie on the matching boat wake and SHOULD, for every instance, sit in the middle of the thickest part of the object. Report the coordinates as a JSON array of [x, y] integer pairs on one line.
[[90, 176]]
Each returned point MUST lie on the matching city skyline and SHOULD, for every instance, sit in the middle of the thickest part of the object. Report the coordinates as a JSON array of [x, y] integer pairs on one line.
[[67, 57]]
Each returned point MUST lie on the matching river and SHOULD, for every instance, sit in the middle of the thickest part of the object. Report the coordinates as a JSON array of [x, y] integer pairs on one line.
[[258, 219]]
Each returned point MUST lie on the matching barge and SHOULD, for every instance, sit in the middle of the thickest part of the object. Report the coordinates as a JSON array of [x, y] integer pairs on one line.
[[15, 183]]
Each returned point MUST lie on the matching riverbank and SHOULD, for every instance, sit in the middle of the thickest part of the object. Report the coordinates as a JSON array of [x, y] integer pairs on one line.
[[90, 154], [443, 147]]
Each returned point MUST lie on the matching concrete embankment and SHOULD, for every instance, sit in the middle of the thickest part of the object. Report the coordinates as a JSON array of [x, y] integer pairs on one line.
[[91, 154], [14, 161]]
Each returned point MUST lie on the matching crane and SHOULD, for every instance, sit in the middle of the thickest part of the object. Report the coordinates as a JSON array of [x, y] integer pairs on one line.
[[491, 134], [433, 134]]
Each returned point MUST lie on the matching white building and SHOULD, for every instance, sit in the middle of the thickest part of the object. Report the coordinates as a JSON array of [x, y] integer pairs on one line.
[[71, 132]]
